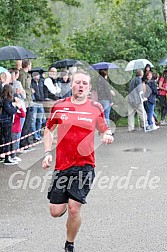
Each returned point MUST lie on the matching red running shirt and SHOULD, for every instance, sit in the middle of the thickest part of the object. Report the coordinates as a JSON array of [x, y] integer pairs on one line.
[[76, 128]]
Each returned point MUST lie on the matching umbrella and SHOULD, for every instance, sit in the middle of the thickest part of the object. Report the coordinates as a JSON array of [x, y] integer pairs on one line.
[[40, 70], [3, 70], [15, 53], [163, 62], [104, 65], [137, 64], [64, 63]]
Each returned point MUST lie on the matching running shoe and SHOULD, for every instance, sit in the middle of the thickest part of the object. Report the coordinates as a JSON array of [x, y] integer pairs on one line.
[[70, 248]]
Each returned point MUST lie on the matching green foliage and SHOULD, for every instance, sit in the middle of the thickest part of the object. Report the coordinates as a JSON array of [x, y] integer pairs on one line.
[[122, 30], [31, 24], [127, 31]]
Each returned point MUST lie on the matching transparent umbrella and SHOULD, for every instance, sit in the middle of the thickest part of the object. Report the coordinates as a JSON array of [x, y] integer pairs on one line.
[[163, 62], [137, 64]]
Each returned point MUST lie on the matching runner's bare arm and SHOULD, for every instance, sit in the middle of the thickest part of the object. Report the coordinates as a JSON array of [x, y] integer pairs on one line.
[[48, 139]]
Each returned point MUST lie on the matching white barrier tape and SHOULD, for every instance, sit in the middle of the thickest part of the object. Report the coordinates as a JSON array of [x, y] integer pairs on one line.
[[20, 149], [17, 140]]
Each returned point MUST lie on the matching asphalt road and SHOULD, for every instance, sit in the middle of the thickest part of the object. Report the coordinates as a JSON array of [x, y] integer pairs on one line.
[[126, 210]]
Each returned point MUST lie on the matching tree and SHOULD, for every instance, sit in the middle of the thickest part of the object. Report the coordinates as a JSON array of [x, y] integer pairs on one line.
[[23, 18], [164, 2], [133, 34], [30, 23]]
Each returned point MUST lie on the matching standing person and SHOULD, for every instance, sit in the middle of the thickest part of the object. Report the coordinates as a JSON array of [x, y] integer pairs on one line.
[[64, 84], [16, 130], [135, 102], [151, 101], [162, 97], [21, 94], [25, 79], [147, 69], [77, 118], [51, 90], [3, 78], [6, 117], [104, 94], [19, 64], [38, 110]]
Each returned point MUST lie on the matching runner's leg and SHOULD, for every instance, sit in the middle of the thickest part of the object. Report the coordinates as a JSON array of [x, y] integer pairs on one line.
[[56, 210], [74, 219]]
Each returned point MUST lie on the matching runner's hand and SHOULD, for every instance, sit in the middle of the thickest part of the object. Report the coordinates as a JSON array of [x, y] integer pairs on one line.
[[107, 139], [46, 161]]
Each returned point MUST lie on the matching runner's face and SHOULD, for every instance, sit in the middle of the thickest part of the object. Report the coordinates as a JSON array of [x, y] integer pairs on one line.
[[80, 86]]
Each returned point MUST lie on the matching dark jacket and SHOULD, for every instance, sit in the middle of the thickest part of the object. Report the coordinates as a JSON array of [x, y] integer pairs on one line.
[[65, 88], [103, 90], [136, 87], [0, 88], [153, 86], [7, 110], [48, 94], [38, 88]]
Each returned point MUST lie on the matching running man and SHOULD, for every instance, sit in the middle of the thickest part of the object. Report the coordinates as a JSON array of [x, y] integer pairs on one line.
[[76, 119]]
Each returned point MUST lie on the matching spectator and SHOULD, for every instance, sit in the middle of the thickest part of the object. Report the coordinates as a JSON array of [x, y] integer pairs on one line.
[[135, 102], [147, 69], [7, 111], [162, 97], [37, 84], [25, 79], [151, 101], [19, 64], [104, 94], [51, 89], [3, 78], [16, 130], [20, 93], [64, 85]]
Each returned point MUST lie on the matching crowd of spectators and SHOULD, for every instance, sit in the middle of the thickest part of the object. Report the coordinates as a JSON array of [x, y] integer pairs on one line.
[[25, 99]]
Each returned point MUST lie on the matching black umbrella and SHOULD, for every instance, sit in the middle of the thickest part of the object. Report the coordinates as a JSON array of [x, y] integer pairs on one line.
[[64, 63], [40, 70], [163, 62], [15, 53]]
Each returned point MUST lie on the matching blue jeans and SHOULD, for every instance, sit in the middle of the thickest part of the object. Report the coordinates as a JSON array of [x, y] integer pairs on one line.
[[37, 117], [150, 112], [106, 106], [22, 120]]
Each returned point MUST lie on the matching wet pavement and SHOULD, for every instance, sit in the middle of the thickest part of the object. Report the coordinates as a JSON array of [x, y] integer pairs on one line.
[[126, 210]]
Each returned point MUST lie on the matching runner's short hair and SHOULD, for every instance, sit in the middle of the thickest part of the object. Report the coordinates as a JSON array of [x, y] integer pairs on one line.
[[81, 71]]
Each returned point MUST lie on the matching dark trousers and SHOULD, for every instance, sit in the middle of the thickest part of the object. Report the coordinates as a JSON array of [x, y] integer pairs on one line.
[[27, 127], [5, 137], [163, 106]]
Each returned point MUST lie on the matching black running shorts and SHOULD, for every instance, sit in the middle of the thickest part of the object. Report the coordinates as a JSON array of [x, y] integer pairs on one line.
[[73, 183]]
